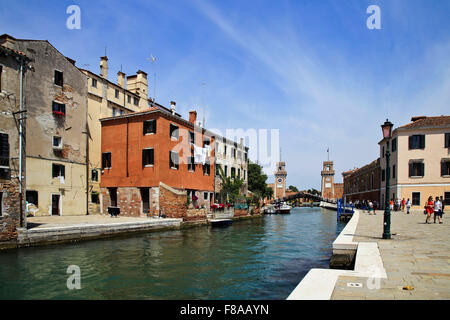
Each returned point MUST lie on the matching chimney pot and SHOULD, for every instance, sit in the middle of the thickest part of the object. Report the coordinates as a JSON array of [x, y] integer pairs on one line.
[[192, 116], [104, 67]]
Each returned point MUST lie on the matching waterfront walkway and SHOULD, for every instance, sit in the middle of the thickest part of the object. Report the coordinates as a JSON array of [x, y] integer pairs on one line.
[[418, 256]]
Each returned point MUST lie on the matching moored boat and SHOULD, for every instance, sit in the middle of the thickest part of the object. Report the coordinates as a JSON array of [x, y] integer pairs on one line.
[[283, 208], [221, 222]]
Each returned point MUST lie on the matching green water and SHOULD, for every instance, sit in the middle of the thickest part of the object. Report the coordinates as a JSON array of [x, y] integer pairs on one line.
[[254, 259]]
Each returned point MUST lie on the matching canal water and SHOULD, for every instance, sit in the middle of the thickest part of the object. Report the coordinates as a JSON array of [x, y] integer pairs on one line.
[[253, 259]]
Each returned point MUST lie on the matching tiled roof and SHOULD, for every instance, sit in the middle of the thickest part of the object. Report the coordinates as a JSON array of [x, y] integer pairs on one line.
[[20, 53], [423, 122]]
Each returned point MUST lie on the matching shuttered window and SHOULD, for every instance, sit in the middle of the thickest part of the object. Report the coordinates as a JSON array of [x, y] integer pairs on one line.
[[106, 160], [59, 170], [416, 169], [148, 157], [149, 126], [417, 142]]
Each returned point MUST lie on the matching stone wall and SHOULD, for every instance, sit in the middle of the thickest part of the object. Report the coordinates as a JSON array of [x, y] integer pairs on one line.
[[240, 212], [129, 201], [10, 215], [172, 202]]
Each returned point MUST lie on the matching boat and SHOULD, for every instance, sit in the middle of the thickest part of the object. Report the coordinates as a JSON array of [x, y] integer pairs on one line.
[[270, 210], [221, 222], [283, 208]]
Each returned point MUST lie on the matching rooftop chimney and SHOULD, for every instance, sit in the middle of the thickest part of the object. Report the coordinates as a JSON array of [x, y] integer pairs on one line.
[[104, 67], [172, 107], [121, 79], [192, 116], [414, 119]]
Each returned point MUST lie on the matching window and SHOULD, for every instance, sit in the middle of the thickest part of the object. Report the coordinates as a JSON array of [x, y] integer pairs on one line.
[[1, 204], [121, 112], [245, 174], [173, 160], [191, 163], [206, 142], [383, 175], [94, 83], [94, 175], [226, 171], [233, 172], [129, 99], [4, 151], [57, 142], [394, 145], [174, 131], [148, 157], [59, 170], [206, 169], [58, 78], [234, 153], [95, 197], [225, 150], [114, 112], [447, 198], [393, 171], [136, 101], [113, 196], [417, 142], [106, 160], [218, 166], [205, 195], [58, 108], [445, 167], [149, 126], [416, 198], [32, 197], [416, 169], [116, 94], [239, 173], [447, 140], [246, 156], [191, 137]]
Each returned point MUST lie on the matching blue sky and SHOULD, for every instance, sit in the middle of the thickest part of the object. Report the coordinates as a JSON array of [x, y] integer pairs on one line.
[[310, 68]]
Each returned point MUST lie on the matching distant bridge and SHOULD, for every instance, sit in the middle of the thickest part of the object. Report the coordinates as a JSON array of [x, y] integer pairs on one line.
[[302, 194]]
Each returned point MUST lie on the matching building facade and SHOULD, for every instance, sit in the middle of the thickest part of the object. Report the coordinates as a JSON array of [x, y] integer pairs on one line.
[[232, 158], [149, 155], [13, 69], [56, 136], [420, 161], [363, 183], [108, 99]]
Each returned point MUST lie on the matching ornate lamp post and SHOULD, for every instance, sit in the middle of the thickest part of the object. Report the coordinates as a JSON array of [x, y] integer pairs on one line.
[[387, 134]]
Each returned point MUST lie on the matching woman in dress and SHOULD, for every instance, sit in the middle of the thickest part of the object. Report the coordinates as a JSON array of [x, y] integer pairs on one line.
[[429, 208]]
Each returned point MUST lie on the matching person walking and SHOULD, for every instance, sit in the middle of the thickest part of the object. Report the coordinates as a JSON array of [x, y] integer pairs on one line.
[[403, 204], [429, 208], [408, 206], [391, 205], [375, 207], [370, 205], [437, 210]]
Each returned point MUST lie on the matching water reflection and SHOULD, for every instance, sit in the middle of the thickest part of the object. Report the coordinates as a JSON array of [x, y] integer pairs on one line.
[[254, 259]]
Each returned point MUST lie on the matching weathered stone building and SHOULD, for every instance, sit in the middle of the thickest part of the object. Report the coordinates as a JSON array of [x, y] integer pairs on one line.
[[56, 137], [13, 68]]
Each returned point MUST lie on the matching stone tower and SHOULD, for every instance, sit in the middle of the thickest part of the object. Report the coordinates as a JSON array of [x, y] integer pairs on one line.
[[280, 180], [327, 186]]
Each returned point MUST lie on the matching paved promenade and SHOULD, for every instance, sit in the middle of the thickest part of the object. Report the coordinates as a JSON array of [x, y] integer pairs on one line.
[[418, 255]]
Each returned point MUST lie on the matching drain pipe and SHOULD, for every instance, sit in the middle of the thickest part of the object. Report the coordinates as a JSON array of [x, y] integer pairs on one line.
[[22, 216]]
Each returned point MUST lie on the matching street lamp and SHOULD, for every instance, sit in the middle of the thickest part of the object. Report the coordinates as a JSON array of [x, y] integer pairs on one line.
[[387, 134]]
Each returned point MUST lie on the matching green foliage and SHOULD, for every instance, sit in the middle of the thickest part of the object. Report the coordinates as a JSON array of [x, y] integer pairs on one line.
[[230, 187], [257, 182], [313, 191], [293, 188]]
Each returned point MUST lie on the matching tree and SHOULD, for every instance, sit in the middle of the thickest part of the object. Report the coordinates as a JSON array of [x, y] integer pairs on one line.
[[314, 192], [257, 181], [230, 186], [293, 188]]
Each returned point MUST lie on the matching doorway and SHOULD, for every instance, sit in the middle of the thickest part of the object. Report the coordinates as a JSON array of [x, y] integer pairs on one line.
[[55, 205], [145, 196]]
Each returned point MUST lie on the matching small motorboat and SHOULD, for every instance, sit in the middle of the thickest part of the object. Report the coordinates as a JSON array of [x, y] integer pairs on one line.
[[221, 222], [269, 210], [283, 208]]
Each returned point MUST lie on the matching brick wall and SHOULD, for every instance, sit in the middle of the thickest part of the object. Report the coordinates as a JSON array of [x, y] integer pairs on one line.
[[10, 218], [173, 203], [128, 200]]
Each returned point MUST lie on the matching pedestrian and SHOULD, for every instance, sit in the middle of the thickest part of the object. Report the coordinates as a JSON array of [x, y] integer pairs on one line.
[[408, 206], [429, 208], [391, 205], [375, 207], [403, 204], [437, 210], [443, 206], [370, 207]]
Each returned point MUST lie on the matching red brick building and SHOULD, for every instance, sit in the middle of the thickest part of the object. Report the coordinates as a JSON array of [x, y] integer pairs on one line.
[[156, 161], [363, 183], [330, 189]]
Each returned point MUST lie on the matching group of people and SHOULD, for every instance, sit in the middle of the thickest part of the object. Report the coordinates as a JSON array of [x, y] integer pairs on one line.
[[437, 207], [400, 205]]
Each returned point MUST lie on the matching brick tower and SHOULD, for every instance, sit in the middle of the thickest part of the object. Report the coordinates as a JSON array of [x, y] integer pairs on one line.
[[327, 187], [280, 180]]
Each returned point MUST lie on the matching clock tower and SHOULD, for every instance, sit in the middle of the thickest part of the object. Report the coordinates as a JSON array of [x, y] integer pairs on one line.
[[327, 187], [280, 181]]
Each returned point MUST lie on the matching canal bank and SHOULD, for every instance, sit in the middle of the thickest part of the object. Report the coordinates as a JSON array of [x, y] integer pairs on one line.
[[63, 229], [261, 258]]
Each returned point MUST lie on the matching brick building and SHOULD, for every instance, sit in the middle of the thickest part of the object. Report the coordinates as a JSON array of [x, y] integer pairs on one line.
[[330, 189], [13, 68], [363, 183], [155, 160]]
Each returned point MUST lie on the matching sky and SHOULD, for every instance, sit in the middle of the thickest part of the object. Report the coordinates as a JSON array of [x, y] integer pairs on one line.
[[310, 69]]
